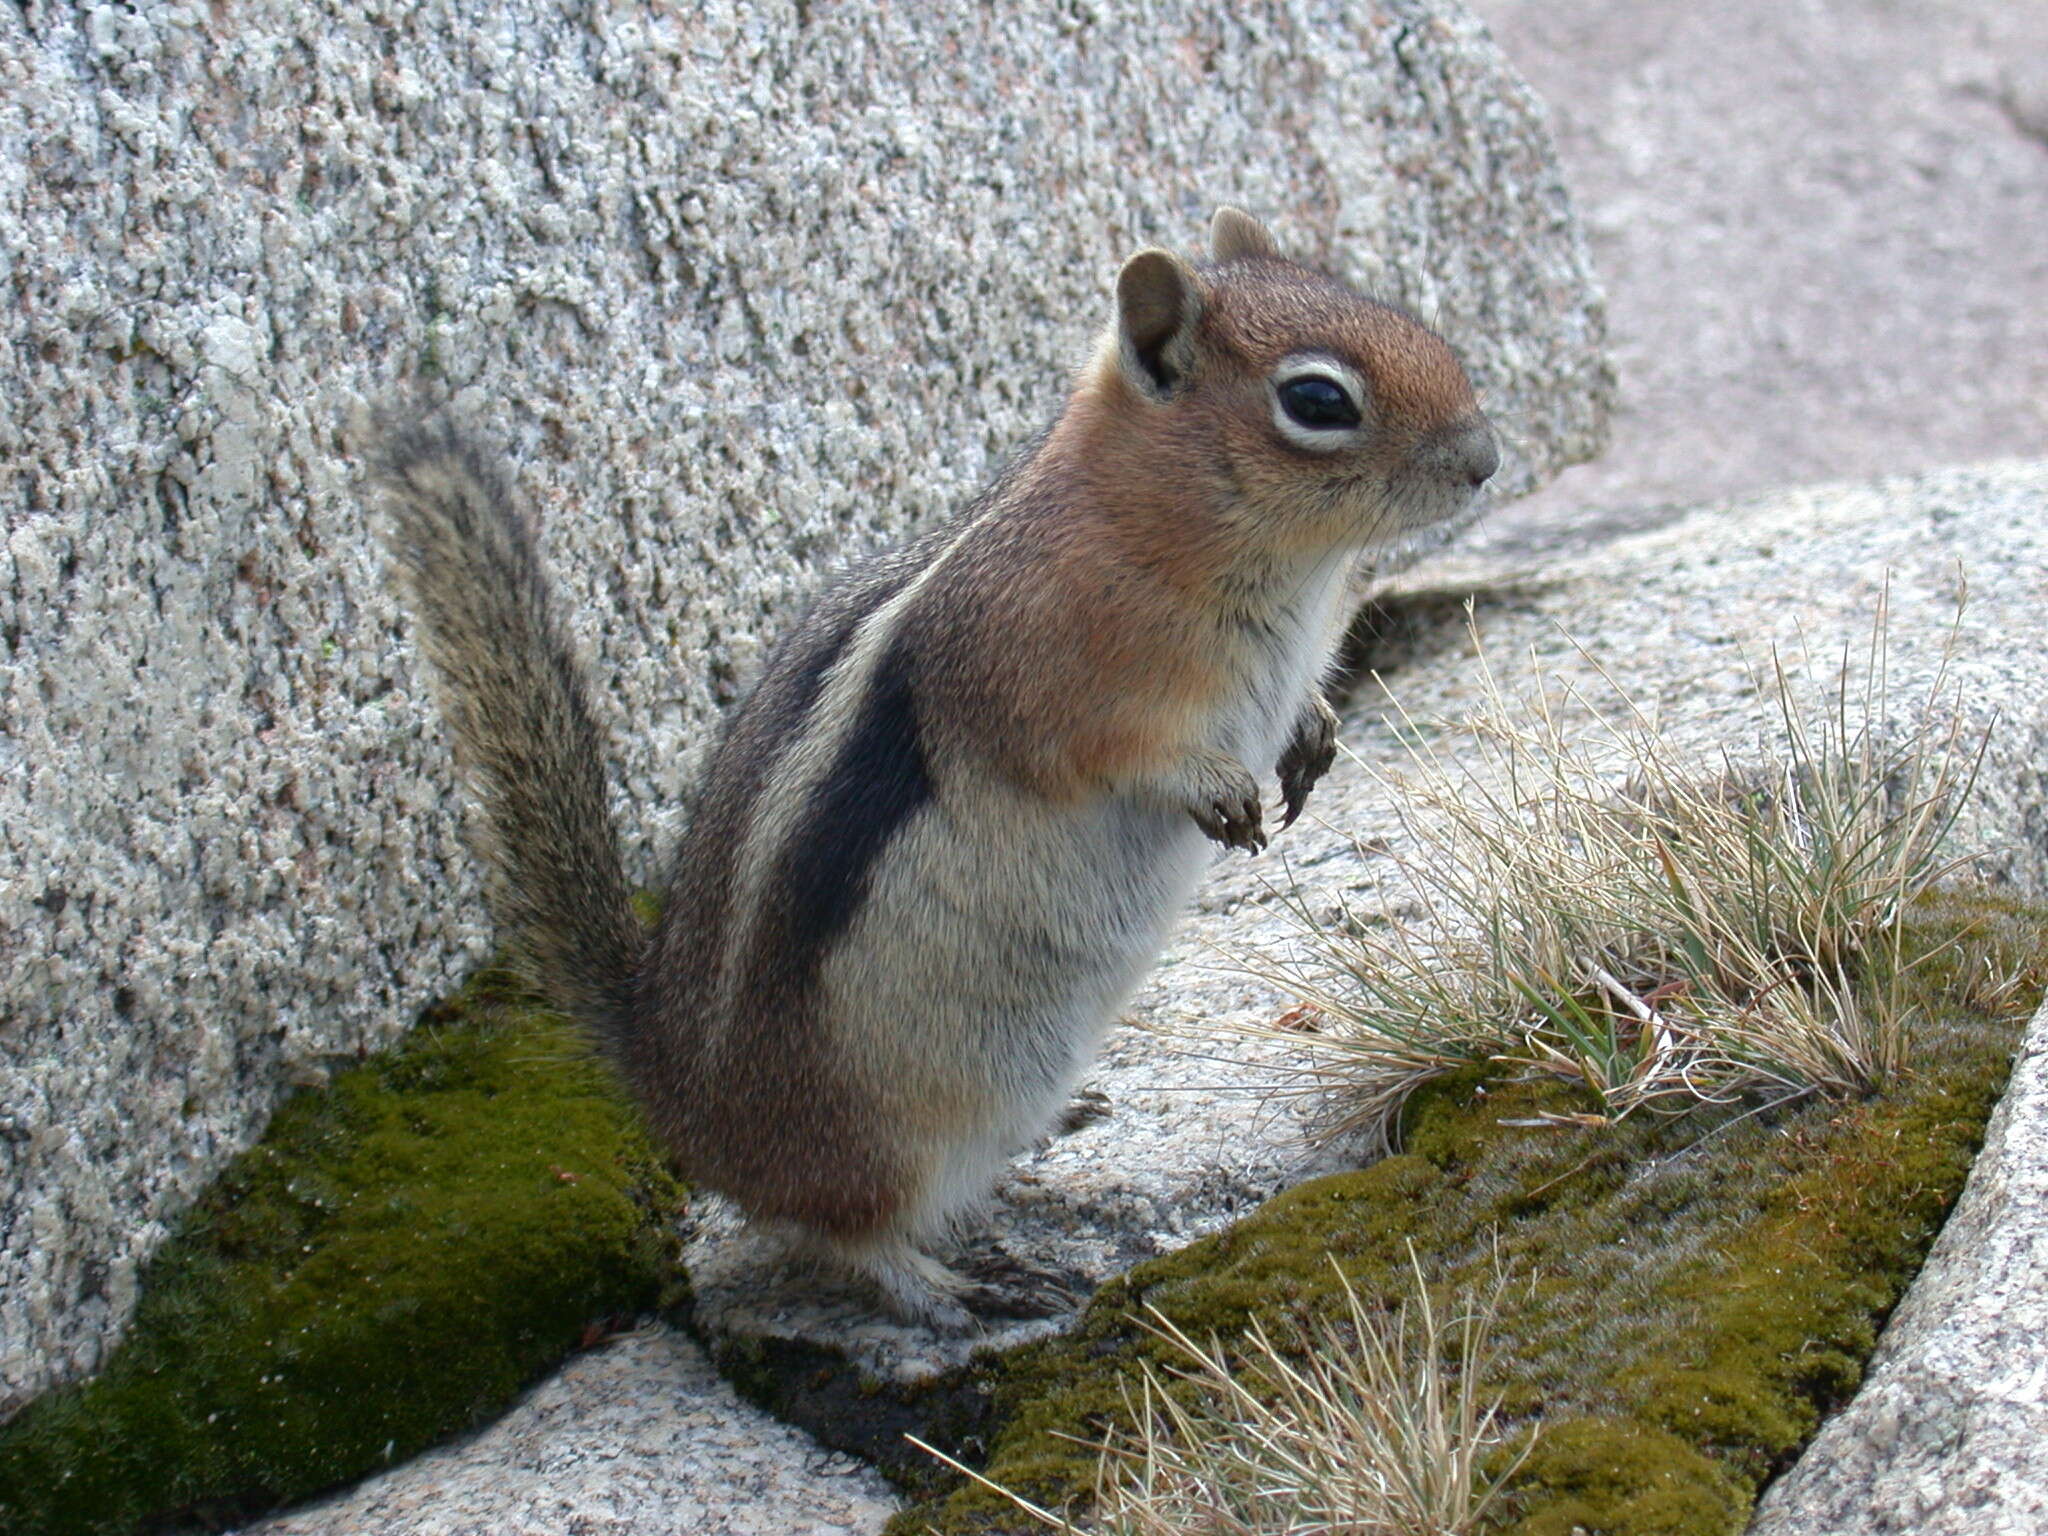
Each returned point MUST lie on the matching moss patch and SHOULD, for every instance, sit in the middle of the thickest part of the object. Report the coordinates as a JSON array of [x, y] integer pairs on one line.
[[1691, 1294], [401, 1255]]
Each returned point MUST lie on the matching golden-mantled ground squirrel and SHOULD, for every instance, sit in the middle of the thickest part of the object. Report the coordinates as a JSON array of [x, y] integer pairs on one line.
[[952, 824]]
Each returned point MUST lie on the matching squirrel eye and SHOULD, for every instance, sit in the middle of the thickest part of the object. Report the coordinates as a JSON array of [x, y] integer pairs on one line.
[[1319, 403]]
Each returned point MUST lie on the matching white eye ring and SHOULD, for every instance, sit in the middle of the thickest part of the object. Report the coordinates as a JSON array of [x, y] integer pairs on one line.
[[1320, 437]]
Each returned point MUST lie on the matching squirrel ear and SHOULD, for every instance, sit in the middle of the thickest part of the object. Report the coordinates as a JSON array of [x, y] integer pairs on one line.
[[1235, 235], [1158, 302]]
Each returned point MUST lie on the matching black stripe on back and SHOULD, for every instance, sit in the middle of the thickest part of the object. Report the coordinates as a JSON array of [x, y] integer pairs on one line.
[[780, 707], [776, 718], [679, 983], [876, 784]]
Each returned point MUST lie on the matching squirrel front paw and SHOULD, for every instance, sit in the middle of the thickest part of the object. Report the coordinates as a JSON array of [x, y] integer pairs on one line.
[[1223, 798], [1308, 756]]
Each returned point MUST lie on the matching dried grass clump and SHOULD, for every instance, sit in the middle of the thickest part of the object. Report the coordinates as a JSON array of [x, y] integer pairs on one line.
[[1664, 929], [1373, 1425]]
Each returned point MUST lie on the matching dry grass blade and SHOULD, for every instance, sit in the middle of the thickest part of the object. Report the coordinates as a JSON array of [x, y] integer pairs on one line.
[[1664, 929], [1376, 1427]]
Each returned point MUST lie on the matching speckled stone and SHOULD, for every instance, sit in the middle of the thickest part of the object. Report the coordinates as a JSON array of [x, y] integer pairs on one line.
[[636, 1437], [745, 288], [1683, 605]]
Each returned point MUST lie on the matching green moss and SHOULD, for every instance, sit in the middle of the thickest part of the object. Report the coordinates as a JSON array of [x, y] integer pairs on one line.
[[401, 1255], [1691, 1293], [1610, 1475]]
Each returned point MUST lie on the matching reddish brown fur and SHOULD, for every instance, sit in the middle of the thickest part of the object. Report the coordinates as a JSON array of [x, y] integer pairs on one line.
[[1098, 648]]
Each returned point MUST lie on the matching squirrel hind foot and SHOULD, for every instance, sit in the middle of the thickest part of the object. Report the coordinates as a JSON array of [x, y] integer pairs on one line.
[[990, 1288], [1008, 1287], [914, 1285]]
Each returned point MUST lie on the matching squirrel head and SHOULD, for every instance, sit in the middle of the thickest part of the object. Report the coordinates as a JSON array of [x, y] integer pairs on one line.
[[1280, 403]]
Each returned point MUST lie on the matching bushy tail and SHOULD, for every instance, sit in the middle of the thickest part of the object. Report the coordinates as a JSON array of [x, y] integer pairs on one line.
[[513, 695]]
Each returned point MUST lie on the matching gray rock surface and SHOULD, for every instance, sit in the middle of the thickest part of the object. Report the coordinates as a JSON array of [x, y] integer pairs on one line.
[[1949, 1435], [747, 288], [1200, 1124], [1819, 228], [596, 1452]]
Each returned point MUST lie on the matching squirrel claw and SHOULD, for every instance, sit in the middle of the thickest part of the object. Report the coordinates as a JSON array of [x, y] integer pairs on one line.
[[1223, 799], [1234, 824], [1307, 758]]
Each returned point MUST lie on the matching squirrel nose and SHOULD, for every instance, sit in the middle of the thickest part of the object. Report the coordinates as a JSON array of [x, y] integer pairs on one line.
[[1477, 452], [1465, 452]]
